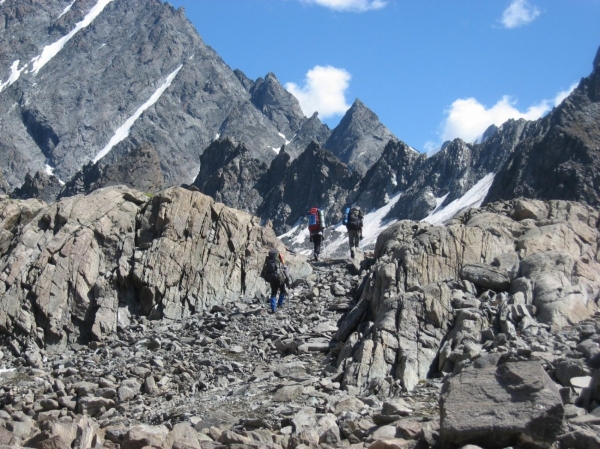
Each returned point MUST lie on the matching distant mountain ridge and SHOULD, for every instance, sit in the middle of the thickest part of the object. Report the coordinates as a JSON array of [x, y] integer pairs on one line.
[[126, 92], [120, 74]]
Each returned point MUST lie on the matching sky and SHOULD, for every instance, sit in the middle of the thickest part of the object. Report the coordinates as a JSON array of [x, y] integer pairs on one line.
[[432, 70]]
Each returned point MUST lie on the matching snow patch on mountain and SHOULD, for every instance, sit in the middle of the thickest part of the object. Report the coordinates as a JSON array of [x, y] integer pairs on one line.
[[296, 235], [473, 198], [14, 75], [66, 10], [50, 172], [50, 51], [373, 224], [123, 131]]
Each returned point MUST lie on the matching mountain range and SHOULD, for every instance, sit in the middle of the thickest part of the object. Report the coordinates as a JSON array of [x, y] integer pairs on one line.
[[104, 92], [143, 184]]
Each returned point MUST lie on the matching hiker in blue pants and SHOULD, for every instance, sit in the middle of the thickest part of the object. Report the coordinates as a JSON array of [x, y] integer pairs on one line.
[[275, 272]]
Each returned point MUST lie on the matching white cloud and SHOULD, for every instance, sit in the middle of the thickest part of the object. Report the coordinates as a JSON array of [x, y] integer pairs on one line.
[[349, 5], [468, 119], [564, 94], [324, 91], [519, 13]]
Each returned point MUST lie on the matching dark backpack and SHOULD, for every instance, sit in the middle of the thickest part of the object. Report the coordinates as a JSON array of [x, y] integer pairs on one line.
[[273, 271], [354, 219]]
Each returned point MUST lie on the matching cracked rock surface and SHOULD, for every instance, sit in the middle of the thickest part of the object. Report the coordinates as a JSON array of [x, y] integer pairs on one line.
[[132, 321]]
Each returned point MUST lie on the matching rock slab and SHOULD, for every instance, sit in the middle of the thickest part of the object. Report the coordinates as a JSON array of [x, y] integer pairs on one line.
[[512, 404]]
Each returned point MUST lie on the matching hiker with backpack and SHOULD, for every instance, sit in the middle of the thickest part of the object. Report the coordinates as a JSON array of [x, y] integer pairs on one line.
[[276, 273], [353, 219], [316, 225]]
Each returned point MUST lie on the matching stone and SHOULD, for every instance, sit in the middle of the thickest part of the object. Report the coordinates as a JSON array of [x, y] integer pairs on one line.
[[580, 439], [391, 443], [409, 429], [500, 406], [288, 393], [140, 436], [486, 276]]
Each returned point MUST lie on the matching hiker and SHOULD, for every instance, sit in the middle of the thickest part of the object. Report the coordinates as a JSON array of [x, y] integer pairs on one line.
[[353, 219], [275, 272], [316, 225]]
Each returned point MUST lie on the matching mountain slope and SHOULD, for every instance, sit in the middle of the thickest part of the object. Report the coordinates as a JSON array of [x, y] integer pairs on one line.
[[97, 80], [561, 159]]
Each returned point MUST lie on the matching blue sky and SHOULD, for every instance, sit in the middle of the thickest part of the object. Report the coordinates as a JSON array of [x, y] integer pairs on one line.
[[432, 70]]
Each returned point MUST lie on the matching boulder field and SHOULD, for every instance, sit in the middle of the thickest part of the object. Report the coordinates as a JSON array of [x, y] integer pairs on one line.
[[130, 320]]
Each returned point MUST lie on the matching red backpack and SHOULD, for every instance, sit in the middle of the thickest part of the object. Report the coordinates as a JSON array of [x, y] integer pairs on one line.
[[315, 220]]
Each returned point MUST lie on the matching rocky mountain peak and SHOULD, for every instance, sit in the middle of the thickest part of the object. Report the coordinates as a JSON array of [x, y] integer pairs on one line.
[[312, 130], [490, 131], [557, 156], [360, 138], [103, 78], [596, 63], [394, 172], [280, 106]]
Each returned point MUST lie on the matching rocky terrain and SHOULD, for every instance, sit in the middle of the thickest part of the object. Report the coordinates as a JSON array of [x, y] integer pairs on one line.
[[404, 184], [127, 74], [142, 183], [132, 321], [215, 128]]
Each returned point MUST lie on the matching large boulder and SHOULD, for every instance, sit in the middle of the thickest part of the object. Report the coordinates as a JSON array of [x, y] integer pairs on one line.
[[496, 407], [85, 265]]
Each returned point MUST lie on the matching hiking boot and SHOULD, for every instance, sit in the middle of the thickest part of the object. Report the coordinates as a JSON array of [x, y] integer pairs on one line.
[[273, 305]]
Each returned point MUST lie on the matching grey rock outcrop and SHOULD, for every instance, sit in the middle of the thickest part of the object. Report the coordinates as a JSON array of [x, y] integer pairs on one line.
[[41, 186], [229, 173], [82, 267], [437, 294], [315, 179], [3, 185], [311, 131], [139, 170], [393, 173], [281, 193], [330, 368]]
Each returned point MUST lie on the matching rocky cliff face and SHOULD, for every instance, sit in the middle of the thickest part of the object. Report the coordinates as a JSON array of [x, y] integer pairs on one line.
[[560, 158], [139, 169], [229, 173], [439, 297], [41, 186], [315, 179], [281, 193], [127, 73], [94, 262]]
